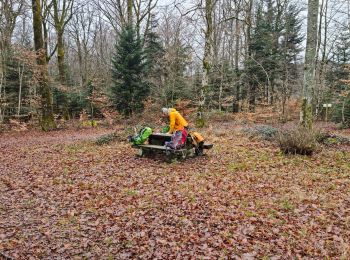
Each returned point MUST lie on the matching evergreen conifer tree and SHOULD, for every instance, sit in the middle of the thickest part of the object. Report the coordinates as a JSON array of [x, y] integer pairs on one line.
[[273, 49], [338, 79], [153, 49], [129, 89], [292, 37], [262, 65]]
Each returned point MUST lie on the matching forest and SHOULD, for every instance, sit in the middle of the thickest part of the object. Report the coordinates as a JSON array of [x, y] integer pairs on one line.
[[221, 55], [265, 82]]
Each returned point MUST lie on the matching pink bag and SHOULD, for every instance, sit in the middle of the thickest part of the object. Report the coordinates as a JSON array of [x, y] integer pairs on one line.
[[178, 140]]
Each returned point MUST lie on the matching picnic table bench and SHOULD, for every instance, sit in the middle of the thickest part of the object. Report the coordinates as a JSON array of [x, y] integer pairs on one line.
[[156, 144]]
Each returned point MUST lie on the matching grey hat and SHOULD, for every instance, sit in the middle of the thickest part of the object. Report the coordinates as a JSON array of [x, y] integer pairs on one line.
[[165, 110]]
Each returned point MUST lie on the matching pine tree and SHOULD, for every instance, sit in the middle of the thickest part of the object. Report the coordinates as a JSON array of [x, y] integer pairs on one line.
[[129, 89], [154, 56], [338, 80], [262, 66], [153, 49], [342, 48], [290, 49], [273, 51], [292, 37], [175, 81]]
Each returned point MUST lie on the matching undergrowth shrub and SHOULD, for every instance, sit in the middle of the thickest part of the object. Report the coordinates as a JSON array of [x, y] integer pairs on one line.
[[332, 139], [264, 131], [200, 122], [106, 139], [298, 140]]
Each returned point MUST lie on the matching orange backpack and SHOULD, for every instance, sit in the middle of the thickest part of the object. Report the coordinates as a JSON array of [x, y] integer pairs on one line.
[[197, 138]]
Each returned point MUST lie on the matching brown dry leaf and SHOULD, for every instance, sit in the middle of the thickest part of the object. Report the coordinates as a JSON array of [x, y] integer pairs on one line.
[[63, 197]]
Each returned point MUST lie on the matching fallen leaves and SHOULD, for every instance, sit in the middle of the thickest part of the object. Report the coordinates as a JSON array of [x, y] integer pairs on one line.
[[61, 196]]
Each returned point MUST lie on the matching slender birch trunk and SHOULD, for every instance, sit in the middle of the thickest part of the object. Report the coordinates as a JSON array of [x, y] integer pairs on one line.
[[309, 66]]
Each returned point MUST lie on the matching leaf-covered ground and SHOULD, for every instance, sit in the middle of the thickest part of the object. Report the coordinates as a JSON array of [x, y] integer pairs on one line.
[[63, 197]]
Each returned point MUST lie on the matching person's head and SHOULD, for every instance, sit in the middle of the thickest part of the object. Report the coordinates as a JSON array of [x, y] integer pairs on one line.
[[165, 111]]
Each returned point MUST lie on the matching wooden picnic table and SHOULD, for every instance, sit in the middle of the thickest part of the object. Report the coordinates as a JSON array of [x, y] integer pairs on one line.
[[156, 144], [159, 139]]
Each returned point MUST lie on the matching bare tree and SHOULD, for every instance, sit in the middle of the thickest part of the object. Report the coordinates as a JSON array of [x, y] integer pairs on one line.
[[81, 31], [62, 14], [114, 11], [47, 120], [120, 12], [143, 12], [309, 67], [130, 4], [209, 8], [10, 10], [173, 35]]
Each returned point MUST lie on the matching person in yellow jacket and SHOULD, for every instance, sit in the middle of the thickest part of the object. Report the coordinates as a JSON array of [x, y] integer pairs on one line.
[[177, 122]]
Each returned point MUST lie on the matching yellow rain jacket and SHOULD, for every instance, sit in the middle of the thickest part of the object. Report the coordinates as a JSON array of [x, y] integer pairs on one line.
[[177, 122]]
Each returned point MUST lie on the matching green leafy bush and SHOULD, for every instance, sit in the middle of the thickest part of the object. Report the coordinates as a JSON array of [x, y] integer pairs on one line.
[[200, 123], [298, 140], [91, 123]]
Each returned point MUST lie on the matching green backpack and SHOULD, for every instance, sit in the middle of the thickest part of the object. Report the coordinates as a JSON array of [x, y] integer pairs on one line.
[[165, 129], [142, 136]]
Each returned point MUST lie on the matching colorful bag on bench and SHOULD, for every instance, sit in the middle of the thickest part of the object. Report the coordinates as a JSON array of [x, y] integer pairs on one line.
[[196, 138], [178, 140], [142, 136]]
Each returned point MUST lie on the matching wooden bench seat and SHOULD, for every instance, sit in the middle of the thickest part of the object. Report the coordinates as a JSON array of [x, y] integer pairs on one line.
[[151, 146], [207, 146], [159, 147]]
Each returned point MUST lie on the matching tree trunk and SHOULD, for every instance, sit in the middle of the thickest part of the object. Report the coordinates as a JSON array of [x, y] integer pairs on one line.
[[47, 119], [61, 16], [309, 66], [320, 65], [237, 48], [248, 22], [208, 49], [62, 73], [80, 61], [1, 96], [221, 89], [269, 87], [323, 67], [343, 111], [252, 86], [20, 74], [284, 100], [60, 57], [252, 94], [130, 6]]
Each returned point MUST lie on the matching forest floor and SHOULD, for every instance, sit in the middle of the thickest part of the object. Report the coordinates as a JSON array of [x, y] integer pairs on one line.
[[64, 197]]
